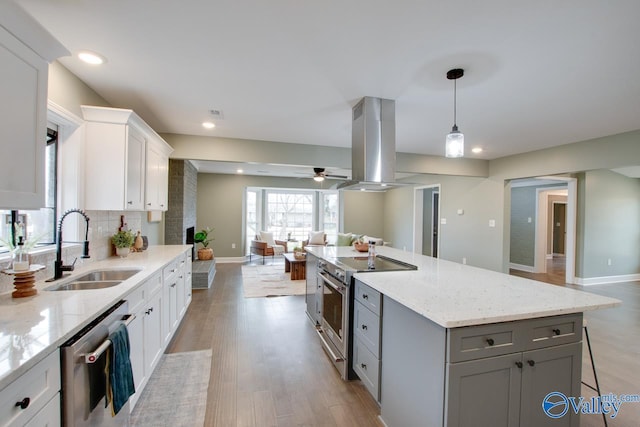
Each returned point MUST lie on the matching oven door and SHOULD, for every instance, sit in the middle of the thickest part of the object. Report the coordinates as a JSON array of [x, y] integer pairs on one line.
[[335, 315]]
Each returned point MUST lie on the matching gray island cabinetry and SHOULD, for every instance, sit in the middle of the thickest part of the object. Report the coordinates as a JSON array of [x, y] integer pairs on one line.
[[313, 293], [485, 375]]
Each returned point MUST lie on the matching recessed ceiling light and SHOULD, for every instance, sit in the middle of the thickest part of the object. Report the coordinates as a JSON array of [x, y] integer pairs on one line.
[[239, 171], [476, 150], [208, 125], [91, 57]]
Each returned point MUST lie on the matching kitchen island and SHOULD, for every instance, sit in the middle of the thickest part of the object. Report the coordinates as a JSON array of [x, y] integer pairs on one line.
[[462, 346]]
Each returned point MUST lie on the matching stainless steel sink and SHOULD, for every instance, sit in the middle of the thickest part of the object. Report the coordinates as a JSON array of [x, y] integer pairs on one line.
[[106, 275], [98, 279]]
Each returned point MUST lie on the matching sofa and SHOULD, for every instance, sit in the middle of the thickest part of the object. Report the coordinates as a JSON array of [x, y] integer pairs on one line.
[[347, 239], [265, 245]]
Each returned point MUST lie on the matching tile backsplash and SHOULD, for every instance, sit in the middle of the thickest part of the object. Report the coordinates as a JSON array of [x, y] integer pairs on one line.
[[102, 225]]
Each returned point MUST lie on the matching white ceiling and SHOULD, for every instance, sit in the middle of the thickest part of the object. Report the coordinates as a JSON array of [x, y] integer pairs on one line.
[[537, 74]]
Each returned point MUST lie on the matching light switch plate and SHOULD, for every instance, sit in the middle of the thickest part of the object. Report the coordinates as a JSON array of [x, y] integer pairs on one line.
[[443, 221], [492, 223]]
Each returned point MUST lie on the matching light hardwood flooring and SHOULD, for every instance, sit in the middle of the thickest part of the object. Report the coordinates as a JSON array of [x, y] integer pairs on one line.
[[268, 368], [615, 342]]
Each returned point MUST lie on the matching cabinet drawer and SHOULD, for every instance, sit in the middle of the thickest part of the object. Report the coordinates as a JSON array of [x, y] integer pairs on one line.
[[551, 331], [49, 416], [39, 384], [366, 326], [169, 272], [153, 285], [367, 366], [136, 299], [368, 296], [475, 342]]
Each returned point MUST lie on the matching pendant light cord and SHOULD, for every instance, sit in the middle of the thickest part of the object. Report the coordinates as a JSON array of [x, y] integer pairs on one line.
[[455, 97]]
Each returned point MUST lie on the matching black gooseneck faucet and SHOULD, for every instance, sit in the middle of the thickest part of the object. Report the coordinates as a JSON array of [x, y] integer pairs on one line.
[[58, 265]]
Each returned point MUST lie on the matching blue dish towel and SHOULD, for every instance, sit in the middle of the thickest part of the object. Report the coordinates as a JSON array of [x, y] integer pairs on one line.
[[119, 374]]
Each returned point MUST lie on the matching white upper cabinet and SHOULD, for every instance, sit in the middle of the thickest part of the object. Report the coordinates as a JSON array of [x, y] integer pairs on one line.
[[157, 178], [125, 163], [25, 52]]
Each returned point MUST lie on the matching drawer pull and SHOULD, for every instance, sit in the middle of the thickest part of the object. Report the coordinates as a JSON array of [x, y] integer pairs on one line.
[[490, 341], [365, 296], [519, 364], [24, 403], [531, 362], [363, 366], [364, 327], [556, 331]]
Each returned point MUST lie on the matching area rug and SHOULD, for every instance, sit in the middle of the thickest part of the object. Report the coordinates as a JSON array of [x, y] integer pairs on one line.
[[176, 394], [269, 281]]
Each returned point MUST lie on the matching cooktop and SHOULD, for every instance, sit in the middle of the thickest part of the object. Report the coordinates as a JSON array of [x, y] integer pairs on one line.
[[382, 263]]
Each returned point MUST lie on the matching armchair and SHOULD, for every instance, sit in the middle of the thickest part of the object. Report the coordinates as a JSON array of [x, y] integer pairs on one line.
[[264, 245]]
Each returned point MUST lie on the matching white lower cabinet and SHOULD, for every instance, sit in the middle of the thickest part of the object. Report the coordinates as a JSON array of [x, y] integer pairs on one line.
[[152, 324], [33, 397]]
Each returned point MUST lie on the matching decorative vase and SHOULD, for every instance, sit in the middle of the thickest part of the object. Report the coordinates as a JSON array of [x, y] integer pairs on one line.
[[138, 243], [122, 252], [205, 254]]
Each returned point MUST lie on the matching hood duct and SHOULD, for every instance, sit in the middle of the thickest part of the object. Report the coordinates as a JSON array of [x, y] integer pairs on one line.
[[373, 145]]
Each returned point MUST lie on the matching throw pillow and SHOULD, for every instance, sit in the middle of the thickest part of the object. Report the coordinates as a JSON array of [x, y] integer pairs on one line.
[[267, 236], [316, 237], [344, 239]]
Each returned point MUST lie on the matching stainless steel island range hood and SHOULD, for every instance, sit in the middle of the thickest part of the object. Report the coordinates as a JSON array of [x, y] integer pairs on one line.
[[373, 145]]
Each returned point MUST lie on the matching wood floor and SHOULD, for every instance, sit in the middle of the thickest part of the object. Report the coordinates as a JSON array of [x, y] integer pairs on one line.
[[268, 368], [615, 342]]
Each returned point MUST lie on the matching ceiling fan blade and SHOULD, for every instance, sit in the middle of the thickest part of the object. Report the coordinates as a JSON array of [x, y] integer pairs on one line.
[[335, 176]]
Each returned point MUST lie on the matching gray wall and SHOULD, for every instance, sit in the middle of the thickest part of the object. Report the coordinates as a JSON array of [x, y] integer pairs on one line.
[[363, 213], [523, 233], [610, 225]]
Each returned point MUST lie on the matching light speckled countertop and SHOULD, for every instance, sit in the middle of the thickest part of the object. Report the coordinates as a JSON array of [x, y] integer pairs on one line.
[[32, 327], [455, 295]]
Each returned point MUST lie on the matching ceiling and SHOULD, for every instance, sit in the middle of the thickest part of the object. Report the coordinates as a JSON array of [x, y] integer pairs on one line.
[[537, 74]]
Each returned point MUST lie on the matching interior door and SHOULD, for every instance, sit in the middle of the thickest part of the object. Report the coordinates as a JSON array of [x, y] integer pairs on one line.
[[559, 227], [435, 224]]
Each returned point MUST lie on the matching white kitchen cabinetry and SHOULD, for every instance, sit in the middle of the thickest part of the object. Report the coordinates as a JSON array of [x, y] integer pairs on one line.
[[34, 396], [119, 174], [25, 52], [153, 314], [176, 297], [157, 175]]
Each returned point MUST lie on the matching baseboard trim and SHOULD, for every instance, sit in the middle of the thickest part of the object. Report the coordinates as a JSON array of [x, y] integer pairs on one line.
[[521, 267], [604, 280], [229, 259]]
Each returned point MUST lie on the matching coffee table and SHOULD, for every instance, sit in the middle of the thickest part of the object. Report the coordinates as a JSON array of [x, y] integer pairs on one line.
[[297, 267]]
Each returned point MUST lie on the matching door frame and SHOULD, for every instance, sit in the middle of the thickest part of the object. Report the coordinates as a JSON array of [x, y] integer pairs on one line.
[[540, 258], [418, 214]]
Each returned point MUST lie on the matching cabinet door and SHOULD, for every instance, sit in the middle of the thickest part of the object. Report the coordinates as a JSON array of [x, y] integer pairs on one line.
[[153, 342], [49, 416], [545, 371], [136, 340], [310, 293], [156, 192], [135, 170], [23, 115], [180, 294], [484, 392]]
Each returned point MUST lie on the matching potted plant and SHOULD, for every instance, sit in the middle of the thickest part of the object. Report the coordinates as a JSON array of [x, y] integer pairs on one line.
[[202, 236], [299, 253], [123, 240]]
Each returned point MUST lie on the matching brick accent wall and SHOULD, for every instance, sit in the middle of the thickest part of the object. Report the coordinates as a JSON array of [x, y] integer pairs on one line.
[[183, 185]]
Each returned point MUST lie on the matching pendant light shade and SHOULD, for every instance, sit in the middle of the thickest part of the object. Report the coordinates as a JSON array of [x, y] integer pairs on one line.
[[454, 145]]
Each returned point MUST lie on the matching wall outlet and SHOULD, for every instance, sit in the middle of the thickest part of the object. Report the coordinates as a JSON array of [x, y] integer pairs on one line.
[[529, 220], [492, 223], [609, 262], [443, 221], [464, 261], [233, 246]]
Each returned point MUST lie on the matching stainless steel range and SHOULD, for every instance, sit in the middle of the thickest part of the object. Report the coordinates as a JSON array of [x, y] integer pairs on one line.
[[335, 327]]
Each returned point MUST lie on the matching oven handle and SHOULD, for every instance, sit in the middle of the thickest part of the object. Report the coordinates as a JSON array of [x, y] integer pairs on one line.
[[327, 347], [330, 283], [93, 356]]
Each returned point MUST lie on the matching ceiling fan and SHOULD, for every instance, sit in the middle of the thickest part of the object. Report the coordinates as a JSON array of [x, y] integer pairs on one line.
[[320, 175]]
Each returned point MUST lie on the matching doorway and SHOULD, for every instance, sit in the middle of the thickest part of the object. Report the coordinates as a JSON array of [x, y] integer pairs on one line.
[[559, 228], [426, 239]]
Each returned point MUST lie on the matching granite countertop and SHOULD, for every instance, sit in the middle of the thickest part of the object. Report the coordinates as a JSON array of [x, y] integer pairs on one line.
[[455, 295], [32, 327]]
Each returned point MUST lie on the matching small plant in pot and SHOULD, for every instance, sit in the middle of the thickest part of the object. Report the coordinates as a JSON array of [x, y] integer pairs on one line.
[[299, 253], [123, 240], [202, 236]]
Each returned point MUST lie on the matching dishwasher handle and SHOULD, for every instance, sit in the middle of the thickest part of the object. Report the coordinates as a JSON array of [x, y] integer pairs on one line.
[[94, 355]]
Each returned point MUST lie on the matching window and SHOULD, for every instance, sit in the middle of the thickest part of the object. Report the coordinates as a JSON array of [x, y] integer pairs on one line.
[[290, 214], [41, 223]]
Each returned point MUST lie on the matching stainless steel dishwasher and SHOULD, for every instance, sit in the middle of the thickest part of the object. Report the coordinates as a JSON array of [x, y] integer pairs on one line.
[[83, 360]]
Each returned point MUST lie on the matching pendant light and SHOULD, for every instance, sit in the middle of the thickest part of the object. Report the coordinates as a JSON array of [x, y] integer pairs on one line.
[[454, 146]]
